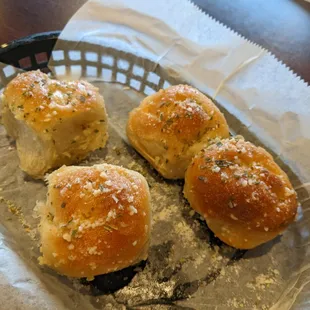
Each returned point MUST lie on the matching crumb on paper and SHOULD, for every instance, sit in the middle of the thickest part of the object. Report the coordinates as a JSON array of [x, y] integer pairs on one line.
[[236, 303], [191, 213], [15, 210]]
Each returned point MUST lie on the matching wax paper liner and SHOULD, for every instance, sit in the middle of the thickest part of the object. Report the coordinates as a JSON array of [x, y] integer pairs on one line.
[[129, 50]]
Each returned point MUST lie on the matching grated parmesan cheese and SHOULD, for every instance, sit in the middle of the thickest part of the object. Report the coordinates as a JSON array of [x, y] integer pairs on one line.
[[132, 210], [289, 192], [67, 237], [108, 182], [92, 250], [243, 182], [70, 246], [114, 198], [233, 217], [103, 175], [96, 192], [111, 215], [216, 169]]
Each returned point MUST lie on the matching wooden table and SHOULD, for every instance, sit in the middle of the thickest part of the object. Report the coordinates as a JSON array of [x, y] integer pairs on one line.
[[282, 26]]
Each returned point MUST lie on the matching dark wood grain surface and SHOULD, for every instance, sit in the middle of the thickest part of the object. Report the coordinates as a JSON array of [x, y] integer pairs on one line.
[[282, 26]]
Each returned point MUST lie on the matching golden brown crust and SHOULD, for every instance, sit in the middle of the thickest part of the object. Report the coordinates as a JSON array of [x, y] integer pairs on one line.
[[242, 193], [96, 220], [42, 102], [172, 125], [53, 122]]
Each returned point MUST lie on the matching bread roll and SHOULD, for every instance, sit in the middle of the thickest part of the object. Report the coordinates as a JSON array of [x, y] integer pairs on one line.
[[53, 122], [244, 196], [96, 220], [171, 126]]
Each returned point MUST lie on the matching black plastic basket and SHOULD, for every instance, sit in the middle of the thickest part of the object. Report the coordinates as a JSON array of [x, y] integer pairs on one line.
[[35, 51], [30, 53]]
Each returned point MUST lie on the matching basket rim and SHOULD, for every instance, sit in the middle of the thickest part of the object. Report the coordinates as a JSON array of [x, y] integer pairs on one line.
[[41, 36]]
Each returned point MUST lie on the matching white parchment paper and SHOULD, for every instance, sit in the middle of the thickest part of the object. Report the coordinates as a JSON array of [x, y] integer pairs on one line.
[[254, 89], [177, 35]]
